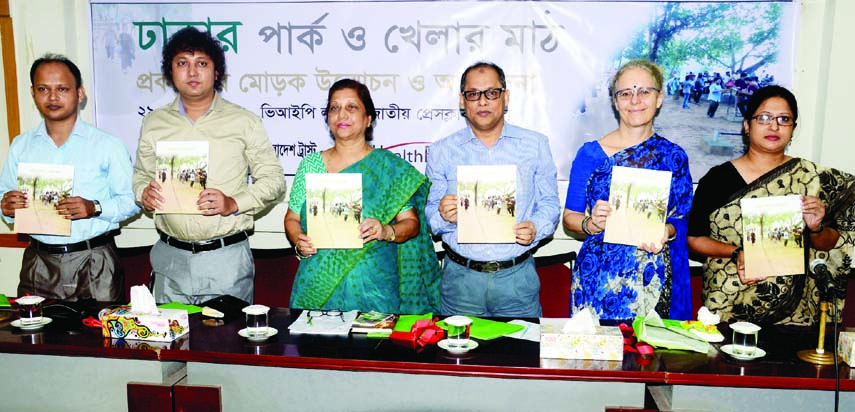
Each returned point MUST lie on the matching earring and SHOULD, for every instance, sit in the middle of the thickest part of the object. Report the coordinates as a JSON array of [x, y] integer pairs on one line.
[[506, 109]]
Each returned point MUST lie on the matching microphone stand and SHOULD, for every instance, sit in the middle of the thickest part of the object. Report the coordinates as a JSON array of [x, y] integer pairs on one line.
[[819, 356]]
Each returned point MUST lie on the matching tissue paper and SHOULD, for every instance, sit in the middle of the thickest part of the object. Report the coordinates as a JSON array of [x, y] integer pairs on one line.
[[142, 300]]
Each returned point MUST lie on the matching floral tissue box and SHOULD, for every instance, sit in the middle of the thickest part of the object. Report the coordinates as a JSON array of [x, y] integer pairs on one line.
[[605, 344], [846, 346], [164, 326]]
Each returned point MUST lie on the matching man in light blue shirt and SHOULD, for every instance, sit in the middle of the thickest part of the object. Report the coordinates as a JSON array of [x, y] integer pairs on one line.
[[492, 279], [84, 264]]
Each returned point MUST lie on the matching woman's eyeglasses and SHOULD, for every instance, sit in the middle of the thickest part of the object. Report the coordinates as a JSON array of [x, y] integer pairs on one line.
[[768, 118], [642, 92], [490, 94]]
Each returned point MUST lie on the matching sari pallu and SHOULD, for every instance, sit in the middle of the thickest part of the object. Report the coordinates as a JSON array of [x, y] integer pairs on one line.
[[620, 281], [782, 299], [399, 278]]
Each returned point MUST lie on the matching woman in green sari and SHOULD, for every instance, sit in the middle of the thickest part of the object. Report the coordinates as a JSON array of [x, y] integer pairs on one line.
[[396, 270], [716, 225]]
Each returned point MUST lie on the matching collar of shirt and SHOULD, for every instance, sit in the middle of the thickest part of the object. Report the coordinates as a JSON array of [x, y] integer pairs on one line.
[[184, 112], [77, 131], [506, 133]]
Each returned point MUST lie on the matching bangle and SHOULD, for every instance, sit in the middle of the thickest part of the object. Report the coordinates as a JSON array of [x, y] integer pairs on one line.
[[821, 228], [297, 252], [585, 221], [392, 239], [735, 254]]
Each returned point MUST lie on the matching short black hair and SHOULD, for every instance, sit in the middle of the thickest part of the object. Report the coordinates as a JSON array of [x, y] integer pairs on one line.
[[57, 58], [364, 96], [760, 96], [191, 40], [478, 65]]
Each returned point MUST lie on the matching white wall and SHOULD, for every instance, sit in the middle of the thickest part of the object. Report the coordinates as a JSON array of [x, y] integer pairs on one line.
[[823, 58]]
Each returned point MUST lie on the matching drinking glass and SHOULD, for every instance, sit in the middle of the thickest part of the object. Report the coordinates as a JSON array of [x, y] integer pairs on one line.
[[256, 321], [458, 328]]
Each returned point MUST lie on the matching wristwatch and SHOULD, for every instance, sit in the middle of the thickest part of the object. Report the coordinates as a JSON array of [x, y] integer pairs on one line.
[[97, 207]]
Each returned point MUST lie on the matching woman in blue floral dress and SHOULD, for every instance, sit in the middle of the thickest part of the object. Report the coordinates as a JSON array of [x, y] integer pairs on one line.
[[619, 281]]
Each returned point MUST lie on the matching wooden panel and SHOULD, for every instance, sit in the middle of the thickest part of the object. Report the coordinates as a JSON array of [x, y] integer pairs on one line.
[[10, 76], [197, 398], [14, 240], [149, 397]]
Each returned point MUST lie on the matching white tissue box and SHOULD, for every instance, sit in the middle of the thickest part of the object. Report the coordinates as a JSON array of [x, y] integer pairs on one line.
[[846, 346], [165, 326], [606, 343]]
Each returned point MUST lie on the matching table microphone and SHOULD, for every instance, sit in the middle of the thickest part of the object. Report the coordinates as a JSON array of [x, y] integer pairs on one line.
[[819, 267]]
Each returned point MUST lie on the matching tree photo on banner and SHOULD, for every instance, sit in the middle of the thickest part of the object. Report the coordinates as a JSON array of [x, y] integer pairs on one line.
[[282, 57]]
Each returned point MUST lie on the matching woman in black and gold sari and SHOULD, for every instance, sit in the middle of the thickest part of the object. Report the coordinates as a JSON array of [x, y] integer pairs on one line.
[[716, 227]]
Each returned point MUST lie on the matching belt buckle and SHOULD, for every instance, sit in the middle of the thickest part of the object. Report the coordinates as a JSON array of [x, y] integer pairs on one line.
[[491, 267]]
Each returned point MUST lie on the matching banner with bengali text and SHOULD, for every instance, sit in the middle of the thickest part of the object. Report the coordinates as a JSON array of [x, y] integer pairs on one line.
[[282, 57]]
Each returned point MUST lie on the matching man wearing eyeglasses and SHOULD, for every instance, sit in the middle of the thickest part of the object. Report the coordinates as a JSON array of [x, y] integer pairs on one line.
[[492, 279]]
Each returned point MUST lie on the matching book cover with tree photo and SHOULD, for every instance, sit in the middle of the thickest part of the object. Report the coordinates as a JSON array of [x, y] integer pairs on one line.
[[334, 210], [772, 236], [639, 201], [487, 198], [45, 185], [182, 172]]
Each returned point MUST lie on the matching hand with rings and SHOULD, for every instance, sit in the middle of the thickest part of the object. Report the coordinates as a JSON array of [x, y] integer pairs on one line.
[[371, 229], [214, 202]]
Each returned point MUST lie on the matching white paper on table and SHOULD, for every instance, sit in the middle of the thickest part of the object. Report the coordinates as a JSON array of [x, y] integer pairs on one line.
[[531, 331], [324, 325]]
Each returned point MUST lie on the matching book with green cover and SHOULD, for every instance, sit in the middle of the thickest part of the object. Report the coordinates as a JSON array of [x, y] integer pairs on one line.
[[374, 322]]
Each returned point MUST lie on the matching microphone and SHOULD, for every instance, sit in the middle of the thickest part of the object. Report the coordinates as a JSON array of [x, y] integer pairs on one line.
[[819, 267]]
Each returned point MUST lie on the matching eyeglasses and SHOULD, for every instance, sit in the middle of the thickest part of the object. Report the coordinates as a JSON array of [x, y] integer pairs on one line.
[[490, 94], [766, 118], [642, 92], [333, 313]]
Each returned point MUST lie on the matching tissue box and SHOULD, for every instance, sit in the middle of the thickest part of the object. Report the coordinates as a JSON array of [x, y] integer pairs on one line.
[[605, 344], [182, 343], [846, 347], [165, 326]]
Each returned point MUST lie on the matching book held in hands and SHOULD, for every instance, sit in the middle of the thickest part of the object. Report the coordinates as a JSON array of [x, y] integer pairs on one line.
[[772, 236], [182, 172], [334, 210], [486, 209], [45, 185], [639, 201]]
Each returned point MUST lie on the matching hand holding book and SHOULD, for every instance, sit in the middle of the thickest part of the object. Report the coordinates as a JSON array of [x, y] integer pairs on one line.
[[214, 202], [14, 199], [75, 207]]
